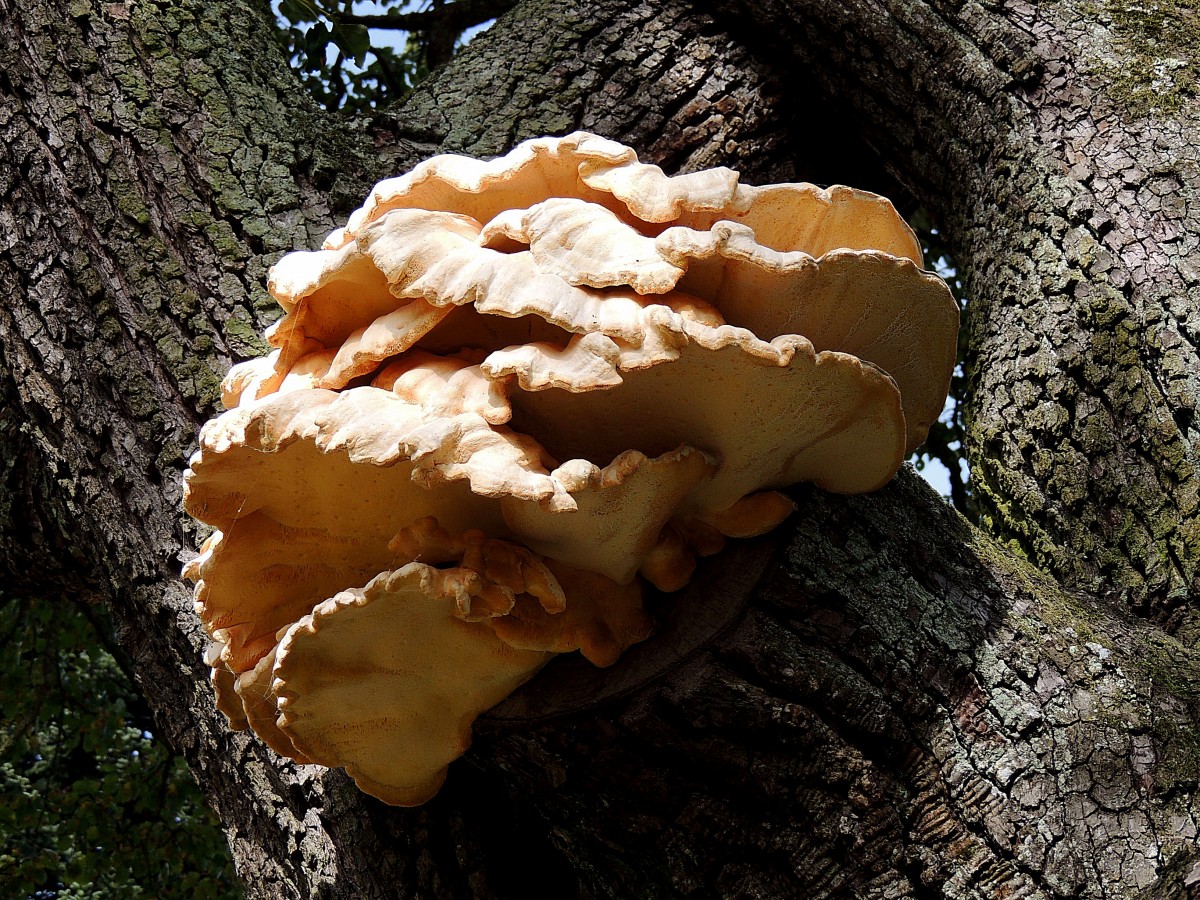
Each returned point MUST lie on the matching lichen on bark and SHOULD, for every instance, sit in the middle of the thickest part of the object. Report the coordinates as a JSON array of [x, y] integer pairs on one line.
[[1153, 66]]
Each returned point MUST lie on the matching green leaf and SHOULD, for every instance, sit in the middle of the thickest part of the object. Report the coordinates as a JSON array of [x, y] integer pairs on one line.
[[81, 811], [315, 42], [295, 12], [354, 41]]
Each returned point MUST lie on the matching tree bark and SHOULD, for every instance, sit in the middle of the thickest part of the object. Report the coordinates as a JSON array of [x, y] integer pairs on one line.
[[881, 701]]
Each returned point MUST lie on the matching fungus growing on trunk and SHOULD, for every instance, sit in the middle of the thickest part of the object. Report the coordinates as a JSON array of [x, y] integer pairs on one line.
[[508, 395]]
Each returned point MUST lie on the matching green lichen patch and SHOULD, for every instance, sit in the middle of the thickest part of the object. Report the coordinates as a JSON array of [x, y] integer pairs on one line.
[[242, 335], [1157, 42]]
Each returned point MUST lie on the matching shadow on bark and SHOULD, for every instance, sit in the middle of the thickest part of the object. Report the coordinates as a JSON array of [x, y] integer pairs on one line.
[[779, 746]]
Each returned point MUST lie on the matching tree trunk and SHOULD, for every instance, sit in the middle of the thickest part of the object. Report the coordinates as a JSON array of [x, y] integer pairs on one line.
[[880, 701]]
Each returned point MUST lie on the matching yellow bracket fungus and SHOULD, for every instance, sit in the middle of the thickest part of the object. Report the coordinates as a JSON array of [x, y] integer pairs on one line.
[[507, 395]]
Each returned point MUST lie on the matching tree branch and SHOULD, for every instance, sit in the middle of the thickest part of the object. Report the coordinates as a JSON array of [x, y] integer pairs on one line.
[[456, 16]]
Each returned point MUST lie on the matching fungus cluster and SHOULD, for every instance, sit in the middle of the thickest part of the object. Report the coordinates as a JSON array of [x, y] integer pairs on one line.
[[506, 396]]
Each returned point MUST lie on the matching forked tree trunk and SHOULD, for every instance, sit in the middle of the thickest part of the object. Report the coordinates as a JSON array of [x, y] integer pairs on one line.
[[881, 701]]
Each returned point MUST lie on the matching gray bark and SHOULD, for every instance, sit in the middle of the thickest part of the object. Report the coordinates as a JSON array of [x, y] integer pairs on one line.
[[882, 701]]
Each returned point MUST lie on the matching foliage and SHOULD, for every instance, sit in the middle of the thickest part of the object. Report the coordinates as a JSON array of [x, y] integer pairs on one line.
[[346, 59], [94, 805], [337, 62]]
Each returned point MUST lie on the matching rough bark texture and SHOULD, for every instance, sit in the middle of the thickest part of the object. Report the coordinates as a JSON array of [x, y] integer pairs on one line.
[[899, 706], [1075, 219]]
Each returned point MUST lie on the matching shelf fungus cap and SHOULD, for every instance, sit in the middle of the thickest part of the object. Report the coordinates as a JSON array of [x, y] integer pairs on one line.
[[581, 165], [385, 682], [872, 305], [770, 414], [584, 244]]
